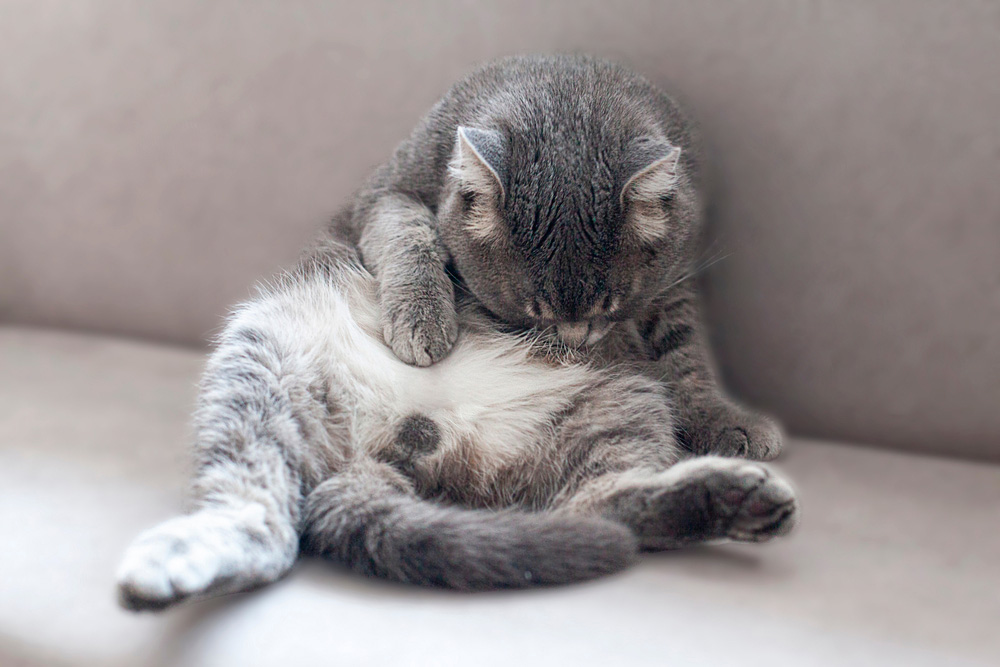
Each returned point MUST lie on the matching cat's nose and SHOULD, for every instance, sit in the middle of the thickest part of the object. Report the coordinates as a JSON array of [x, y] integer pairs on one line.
[[597, 330], [573, 334]]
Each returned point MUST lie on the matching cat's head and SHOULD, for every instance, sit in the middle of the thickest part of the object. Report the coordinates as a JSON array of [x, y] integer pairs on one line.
[[562, 236]]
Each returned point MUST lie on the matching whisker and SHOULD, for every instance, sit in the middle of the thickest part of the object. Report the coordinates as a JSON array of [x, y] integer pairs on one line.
[[699, 268]]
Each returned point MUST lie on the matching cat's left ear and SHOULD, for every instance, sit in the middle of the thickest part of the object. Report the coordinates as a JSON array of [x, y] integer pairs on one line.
[[653, 165], [480, 161]]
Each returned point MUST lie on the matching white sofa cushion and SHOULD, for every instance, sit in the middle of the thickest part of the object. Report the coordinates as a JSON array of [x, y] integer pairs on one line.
[[896, 561]]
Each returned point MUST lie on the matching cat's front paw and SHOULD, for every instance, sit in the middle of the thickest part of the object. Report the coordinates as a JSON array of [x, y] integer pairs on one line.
[[738, 432], [420, 331]]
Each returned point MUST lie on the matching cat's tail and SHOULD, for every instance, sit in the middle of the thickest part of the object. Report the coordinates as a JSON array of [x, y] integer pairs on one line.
[[376, 529]]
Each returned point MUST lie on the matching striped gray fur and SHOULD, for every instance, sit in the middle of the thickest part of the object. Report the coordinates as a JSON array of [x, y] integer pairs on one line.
[[488, 373]]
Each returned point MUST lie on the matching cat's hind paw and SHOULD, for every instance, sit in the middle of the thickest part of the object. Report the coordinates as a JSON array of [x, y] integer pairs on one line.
[[168, 564], [207, 553], [704, 499], [754, 504]]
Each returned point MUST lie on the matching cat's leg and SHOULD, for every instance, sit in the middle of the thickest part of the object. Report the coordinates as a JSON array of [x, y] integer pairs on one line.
[[400, 246], [621, 462], [698, 500], [212, 551], [708, 421], [254, 459]]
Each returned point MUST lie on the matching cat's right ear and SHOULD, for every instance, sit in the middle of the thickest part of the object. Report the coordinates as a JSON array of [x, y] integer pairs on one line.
[[653, 167], [480, 161]]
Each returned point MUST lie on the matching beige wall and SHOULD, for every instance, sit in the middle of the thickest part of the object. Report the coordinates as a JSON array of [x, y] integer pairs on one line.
[[157, 157]]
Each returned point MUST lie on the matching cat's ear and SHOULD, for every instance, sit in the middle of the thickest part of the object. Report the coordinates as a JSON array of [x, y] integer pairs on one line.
[[480, 161], [653, 165]]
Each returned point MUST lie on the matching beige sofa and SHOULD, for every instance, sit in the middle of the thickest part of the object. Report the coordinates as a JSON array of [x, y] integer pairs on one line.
[[158, 157]]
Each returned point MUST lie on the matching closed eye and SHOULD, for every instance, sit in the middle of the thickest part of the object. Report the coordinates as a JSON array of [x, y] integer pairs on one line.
[[539, 310], [606, 307]]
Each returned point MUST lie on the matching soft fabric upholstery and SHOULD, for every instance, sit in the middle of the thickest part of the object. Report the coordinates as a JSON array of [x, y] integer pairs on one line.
[[896, 561], [158, 157]]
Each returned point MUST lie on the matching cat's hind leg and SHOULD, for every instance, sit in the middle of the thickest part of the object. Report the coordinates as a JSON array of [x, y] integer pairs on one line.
[[209, 552], [621, 461], [262, 430], [242, 530]]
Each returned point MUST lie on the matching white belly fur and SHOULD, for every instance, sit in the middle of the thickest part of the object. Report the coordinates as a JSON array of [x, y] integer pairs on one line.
[[488, 390]]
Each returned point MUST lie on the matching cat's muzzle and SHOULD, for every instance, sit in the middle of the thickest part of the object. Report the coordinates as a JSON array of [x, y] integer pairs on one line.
[[582, 334]]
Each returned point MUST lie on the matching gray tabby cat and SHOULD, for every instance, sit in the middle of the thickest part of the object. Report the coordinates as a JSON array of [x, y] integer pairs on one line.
[[508, 387]]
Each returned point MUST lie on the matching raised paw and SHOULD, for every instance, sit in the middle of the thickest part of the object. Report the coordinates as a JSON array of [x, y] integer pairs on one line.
[[420, 331]]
